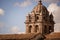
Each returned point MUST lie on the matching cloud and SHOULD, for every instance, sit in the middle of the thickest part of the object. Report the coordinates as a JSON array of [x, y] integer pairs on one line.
[[1, 11], [57, 27], [23, 4], [55, 9], [14, 29], [27, 3], [49, 1]]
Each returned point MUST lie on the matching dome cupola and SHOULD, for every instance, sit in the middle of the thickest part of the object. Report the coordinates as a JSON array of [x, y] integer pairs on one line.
[[40, 8]]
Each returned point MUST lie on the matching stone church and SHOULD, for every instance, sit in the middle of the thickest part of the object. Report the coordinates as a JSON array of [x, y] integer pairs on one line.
[[39, 26]]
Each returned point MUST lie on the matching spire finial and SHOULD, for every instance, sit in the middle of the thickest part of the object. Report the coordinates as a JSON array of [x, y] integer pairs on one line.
[[40, 1]]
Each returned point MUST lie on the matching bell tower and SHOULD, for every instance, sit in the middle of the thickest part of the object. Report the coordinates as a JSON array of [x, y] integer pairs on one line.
[[39, 20]]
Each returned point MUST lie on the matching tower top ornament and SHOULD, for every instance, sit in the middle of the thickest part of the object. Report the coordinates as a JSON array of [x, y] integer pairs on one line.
[[40, 2]]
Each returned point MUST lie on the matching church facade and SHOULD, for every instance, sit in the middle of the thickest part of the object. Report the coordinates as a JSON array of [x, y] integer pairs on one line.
[[39, 26]]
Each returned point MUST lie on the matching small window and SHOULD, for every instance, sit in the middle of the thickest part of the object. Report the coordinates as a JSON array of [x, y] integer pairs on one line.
[[36, 28], [37, 17], [44, 17]]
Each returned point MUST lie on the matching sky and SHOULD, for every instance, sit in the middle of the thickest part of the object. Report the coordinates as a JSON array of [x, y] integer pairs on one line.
[[13, 14]]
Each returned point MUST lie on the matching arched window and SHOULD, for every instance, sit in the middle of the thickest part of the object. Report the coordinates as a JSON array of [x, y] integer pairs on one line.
[[45, 29], [37, 18], [36, 28], [50, 29], [30, 28]]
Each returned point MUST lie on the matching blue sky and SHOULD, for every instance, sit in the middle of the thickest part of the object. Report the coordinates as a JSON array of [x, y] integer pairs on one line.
[[13, 13]]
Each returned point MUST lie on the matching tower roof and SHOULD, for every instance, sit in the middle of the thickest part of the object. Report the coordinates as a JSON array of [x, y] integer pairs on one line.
[[51, 15], [40, 7]]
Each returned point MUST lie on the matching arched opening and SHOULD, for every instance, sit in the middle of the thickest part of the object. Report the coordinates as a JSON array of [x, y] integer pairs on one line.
[[30, 28], [50, 29], [37, 18], [45, 29], [36, 28]]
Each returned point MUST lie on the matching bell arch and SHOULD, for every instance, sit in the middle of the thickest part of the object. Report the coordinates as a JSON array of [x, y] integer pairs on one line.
[[30, 28], [36, 28]]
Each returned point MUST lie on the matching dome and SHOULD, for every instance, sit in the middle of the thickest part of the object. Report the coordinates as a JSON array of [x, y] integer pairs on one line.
[[40, 7]]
